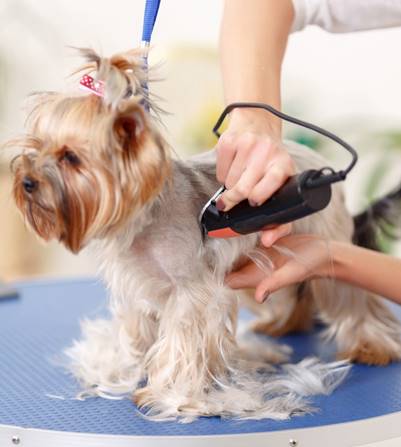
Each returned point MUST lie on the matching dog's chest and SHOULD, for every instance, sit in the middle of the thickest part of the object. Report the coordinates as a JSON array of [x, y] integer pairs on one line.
[[166, 254]]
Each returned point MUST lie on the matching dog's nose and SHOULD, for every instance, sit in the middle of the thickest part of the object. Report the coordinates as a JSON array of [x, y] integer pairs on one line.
[[29, 184]]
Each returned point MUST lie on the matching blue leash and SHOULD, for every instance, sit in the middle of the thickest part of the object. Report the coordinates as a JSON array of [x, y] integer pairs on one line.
[[149, 19]]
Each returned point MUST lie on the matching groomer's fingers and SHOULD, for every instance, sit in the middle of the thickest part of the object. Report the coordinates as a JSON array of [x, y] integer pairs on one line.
[[240, 191], [226, 151], [270, 237], [248, 147], [248, 276], [274, 177], [290, 273], [254, 153]]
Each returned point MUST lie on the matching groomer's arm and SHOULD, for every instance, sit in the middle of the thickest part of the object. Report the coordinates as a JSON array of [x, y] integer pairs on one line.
[[370, 270], [304, 257], [251, 160]]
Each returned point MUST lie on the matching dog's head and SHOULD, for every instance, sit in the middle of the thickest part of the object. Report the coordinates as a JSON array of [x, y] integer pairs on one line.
[[89, 162]]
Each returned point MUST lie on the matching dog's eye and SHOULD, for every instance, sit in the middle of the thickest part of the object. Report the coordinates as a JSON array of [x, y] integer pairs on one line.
[[69, 157]]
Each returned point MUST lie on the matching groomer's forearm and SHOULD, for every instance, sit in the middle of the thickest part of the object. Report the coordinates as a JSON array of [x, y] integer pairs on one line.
[[253, 40], [376, 272]]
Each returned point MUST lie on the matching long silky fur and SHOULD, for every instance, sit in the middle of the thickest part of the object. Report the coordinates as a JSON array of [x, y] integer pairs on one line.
[[170, 341]]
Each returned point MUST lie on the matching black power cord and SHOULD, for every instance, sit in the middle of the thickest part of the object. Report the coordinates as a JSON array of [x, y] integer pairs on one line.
[[320, 178]]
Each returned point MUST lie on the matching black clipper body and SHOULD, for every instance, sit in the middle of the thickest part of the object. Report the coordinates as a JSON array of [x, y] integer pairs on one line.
[[294, 200], [302, 194]]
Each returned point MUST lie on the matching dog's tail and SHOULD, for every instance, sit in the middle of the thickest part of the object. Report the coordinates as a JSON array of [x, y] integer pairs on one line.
[[382, 218]]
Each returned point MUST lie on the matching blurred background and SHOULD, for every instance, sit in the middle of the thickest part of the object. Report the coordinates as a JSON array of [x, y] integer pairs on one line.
[[347, 83]]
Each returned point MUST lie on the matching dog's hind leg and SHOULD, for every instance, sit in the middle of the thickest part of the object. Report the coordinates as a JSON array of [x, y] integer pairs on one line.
[[292, 312], [363, 327]]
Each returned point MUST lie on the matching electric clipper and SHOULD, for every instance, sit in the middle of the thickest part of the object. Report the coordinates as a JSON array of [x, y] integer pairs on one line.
[[302, 195]]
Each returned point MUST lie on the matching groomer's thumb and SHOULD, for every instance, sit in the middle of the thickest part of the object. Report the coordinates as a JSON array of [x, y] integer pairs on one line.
[[280, 278], [266, 288]]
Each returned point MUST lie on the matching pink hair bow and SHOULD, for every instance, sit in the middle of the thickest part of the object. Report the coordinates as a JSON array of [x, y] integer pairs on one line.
[[91, 85]]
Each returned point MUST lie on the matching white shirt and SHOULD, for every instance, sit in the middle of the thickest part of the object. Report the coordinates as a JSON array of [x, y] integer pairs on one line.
[[341, 16]]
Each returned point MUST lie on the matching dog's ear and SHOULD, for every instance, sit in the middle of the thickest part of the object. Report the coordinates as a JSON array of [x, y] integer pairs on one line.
[[129, 128]]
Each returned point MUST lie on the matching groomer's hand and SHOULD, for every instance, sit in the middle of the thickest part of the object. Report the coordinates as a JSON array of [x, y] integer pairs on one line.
[[252, 163], [294, 258]]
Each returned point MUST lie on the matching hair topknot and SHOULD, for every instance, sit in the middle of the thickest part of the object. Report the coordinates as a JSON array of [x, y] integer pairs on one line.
[[124, 74]]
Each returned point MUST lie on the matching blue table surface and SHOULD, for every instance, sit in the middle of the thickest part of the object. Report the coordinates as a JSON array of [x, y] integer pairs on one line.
[[36, 327]]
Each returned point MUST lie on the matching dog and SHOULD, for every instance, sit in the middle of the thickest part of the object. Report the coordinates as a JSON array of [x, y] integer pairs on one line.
[[95, 172]]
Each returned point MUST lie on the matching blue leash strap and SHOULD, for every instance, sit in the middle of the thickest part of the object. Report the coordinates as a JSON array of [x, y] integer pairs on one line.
[[149, 19]]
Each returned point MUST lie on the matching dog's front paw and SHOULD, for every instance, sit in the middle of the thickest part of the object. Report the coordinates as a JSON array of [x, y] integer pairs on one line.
[[143, 397], [371, 353], [169, 404]]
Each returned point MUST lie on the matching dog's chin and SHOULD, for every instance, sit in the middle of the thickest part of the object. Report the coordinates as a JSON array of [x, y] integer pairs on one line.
[[66, 241], [49, 224], [47, 230], [71, 237], [41, 220]]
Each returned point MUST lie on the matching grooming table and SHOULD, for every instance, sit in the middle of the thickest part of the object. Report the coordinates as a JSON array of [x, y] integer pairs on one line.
[[38, 408]]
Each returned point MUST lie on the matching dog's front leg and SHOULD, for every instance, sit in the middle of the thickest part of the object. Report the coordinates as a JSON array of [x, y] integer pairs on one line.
[[193, 350], [108, 360]]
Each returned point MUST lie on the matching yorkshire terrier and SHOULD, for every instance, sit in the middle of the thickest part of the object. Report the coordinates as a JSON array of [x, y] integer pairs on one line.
[[95, 171]]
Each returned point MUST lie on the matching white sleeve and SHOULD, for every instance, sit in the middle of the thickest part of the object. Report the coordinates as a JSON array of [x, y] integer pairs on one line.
[[342, 16]]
